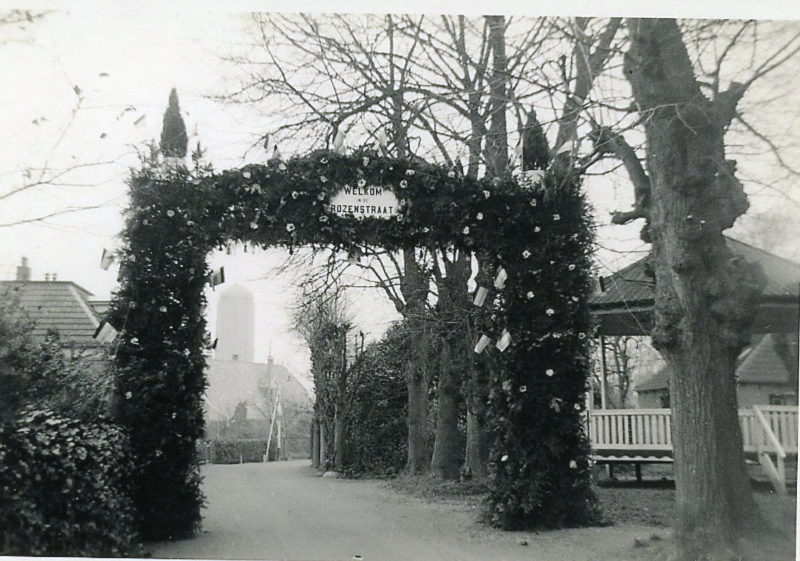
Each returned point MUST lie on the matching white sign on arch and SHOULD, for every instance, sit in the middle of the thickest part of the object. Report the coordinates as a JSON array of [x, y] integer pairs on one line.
[[369, 201]]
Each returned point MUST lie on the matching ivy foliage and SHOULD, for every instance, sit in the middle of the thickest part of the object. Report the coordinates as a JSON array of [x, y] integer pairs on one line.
[[541, 454], [63, 488], [63, 465], [538, 232]]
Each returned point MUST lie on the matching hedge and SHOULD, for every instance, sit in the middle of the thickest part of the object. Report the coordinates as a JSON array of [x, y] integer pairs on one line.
[[239, 451], [63, 488]]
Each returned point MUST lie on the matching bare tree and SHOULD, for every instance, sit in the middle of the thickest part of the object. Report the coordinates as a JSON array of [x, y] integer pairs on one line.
[[321, 319], [445, 86], [688, 194], [46, 174]]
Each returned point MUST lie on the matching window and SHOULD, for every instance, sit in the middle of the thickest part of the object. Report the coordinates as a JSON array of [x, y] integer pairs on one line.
[[785, 398]]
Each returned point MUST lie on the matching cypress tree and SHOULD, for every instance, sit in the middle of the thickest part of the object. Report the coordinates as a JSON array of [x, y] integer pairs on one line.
[[535, 152], [173, 132]]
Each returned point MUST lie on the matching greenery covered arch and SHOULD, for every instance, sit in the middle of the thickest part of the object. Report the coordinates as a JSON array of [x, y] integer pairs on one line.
[[538, 234]]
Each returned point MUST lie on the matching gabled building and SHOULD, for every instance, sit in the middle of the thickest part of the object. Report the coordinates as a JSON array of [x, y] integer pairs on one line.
[[54, 306], [766, 374], [245, 400], [624, 303]]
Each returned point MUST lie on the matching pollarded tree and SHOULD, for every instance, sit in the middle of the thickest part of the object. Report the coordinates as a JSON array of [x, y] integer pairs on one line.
[[321, 319], [706, 298]]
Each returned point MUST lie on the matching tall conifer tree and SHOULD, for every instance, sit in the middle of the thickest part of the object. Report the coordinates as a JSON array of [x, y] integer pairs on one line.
[[173, 132]]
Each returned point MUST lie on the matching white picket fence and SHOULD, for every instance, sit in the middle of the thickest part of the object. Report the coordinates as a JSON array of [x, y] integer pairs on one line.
[[645, 435]]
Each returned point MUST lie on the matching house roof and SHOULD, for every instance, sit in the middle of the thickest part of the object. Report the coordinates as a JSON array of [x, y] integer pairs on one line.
[[61, 306], [624, 305], [231, 382], [772, 359]]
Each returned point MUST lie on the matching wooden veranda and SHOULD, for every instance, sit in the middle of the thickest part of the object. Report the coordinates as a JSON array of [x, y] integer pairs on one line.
[[624, 306]]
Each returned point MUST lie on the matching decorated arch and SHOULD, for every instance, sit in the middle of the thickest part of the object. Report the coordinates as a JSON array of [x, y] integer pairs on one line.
[[537, 235]]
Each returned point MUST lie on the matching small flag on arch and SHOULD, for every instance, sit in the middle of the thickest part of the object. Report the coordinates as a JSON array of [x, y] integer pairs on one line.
[[105, 332], [217, 277], [106, 260]]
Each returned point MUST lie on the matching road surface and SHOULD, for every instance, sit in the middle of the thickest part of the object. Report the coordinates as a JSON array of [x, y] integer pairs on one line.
[[285, 510]]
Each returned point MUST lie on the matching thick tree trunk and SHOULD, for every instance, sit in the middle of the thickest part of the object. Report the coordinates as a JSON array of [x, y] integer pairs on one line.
[[705, 298], [418, 455], [446, 460], [497, 139], [454, 357], [414, 291], [323, 452]]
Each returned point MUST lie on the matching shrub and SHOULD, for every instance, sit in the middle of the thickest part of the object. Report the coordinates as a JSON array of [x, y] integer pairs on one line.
[[377, 430], [239, 451], [63, 488], [52, 374]]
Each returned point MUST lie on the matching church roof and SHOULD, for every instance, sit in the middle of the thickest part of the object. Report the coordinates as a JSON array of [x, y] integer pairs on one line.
[[231, 382], [61, 306]]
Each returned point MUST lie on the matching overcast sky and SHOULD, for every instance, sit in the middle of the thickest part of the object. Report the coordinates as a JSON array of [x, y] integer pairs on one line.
[[124, 61]]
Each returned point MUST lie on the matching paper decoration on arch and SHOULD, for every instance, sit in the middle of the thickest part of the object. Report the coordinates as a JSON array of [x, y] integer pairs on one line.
[[105, 332], [500, 279], [480, 296], [483, 342], [106, 260], [505, 341]]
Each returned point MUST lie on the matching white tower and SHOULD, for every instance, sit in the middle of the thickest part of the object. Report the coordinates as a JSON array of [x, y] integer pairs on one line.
[[235, 325]]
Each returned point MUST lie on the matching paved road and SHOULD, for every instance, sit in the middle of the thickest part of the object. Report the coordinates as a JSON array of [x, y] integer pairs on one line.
[[284, 510]]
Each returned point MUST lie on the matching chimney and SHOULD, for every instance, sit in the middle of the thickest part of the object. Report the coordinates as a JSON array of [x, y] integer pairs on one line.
[[23, 271]]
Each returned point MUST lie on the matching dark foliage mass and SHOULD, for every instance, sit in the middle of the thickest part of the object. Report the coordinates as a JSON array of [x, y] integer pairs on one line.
[[238, 451], [538, 233], [376, 441], [63, 488], [541, 453], [64, 467]]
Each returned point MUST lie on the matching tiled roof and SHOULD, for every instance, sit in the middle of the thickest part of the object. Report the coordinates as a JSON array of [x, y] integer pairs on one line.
[[58, 305], [631, 286], [771, 360], [233, 381]]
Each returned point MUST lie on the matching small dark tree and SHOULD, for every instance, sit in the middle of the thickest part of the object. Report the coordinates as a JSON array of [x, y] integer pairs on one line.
[[173, 132]]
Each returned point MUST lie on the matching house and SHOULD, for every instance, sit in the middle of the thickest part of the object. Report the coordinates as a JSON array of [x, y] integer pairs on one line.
[[54, 306], [250, 400], [767, 371], [766, 374], [83, 385], [624, 303]]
